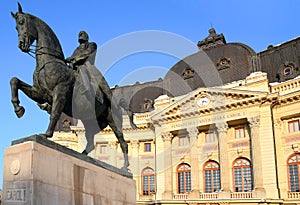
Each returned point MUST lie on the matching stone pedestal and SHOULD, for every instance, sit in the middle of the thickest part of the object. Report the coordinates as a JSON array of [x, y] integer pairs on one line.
[[40, 172]]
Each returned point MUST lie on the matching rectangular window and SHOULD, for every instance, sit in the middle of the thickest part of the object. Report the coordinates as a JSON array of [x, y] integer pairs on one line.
[[182, 141], [103, 149], [147, 147], [239, 133], [294, 126], [209, 137]]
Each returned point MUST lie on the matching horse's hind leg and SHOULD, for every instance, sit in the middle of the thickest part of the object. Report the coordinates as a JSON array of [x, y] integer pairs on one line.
[[60, 95], [17, 84], [115, 122]]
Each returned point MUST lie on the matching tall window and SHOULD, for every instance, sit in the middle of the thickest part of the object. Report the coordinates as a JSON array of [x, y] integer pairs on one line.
[[183, 141], [147, 147], [211, 177], [293, 166], [242, 175], [239, 133], [184, 178], [148, 177], [103, 148], [209, 137], [294, 126]]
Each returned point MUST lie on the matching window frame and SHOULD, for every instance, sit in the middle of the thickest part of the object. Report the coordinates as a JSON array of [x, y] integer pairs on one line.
[[187, 178], [244, 173], [210, 136], [293, 122], [297, 164], [184, 139], [238, 131], [215, 180], [146, 144], [149, 174]]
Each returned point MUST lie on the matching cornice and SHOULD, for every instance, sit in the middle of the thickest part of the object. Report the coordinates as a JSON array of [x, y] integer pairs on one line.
[[222, 100]]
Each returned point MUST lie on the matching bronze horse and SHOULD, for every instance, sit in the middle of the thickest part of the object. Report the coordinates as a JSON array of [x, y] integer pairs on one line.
[[54, 81]]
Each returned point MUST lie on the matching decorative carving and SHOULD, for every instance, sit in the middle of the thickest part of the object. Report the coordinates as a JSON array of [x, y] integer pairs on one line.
[[222, 127], [166, 136], [148, 104], [295, 148], [134, 144], [193, 132], [15, 167], [278, 123], [223, 63], [112, 145], [213, 40], [254, 121], [288, 70], [188, 73]]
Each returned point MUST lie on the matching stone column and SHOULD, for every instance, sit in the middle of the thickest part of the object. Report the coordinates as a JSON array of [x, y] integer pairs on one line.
[[167, 139], [194, 156], [113, 149], [281, 160], [134, 164], [222, 129], [259, 190]]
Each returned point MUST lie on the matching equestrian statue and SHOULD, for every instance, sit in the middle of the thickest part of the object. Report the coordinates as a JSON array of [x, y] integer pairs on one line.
[[73, 86]]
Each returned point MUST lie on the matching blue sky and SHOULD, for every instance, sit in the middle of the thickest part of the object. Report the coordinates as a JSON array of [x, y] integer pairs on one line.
[[255, 23]]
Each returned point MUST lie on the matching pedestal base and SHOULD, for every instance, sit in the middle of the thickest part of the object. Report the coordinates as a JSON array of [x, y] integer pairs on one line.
[[40, 172]]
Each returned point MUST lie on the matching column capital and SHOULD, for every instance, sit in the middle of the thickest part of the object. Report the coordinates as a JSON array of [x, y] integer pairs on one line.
[[278, 123], [134, 143], [254, 121], [166, 136], [193, 131], [222, 127], [112, 144]]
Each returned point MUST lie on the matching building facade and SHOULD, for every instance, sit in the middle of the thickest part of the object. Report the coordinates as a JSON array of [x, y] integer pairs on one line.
[[222, 127]]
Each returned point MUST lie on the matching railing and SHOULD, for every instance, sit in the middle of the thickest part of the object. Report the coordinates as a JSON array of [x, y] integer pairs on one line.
[[180, 196], [286, 87], [146, 197], [241, 195], [208, 195], [293, 195]]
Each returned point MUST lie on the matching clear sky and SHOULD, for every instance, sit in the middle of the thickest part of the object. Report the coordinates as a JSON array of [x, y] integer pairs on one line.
[[116, 24]]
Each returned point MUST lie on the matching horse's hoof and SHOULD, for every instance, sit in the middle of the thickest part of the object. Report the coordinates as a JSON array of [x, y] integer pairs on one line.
[[84, 152], [45, 135], [20, 111], [125, 169]]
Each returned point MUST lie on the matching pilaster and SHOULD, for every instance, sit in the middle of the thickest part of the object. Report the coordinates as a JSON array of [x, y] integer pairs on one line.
[[167, 140], [222, 129], [194, 156], [254, 124], [113, 148]]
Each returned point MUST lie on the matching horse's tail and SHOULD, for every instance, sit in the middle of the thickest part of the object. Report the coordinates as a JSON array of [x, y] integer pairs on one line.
[[123, 103]]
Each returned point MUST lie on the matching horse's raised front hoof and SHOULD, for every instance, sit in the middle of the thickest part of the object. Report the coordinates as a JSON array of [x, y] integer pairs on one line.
[[84, 152], [20, 111]]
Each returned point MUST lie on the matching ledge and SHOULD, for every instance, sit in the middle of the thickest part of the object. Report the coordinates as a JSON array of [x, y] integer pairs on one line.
[[50, 144]]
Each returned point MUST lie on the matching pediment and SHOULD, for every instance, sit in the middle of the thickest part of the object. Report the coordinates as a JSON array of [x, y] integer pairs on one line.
[[205, 100]]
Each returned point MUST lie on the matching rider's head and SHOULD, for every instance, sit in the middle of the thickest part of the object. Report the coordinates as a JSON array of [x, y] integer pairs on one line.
[[83, 37]]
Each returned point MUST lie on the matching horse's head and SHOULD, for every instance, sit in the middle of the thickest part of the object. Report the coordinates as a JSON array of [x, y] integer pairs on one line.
[[26, 31]]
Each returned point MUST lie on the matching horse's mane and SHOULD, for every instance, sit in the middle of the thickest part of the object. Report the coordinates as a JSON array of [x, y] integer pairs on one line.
[[55, 44]]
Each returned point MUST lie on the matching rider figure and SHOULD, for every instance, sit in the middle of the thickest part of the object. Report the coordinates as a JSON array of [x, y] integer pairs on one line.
[[82, 60]]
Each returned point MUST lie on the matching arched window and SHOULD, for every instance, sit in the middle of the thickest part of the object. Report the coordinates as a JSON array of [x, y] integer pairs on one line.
[[211, 177], [148, 177], [184, 178], [294, 175], [242, 175]]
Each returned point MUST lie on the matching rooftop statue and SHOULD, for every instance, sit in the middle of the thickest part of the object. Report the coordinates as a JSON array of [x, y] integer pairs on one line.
[[59, 89]]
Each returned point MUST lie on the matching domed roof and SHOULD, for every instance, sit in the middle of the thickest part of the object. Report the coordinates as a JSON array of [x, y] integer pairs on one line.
[[213, 66]]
